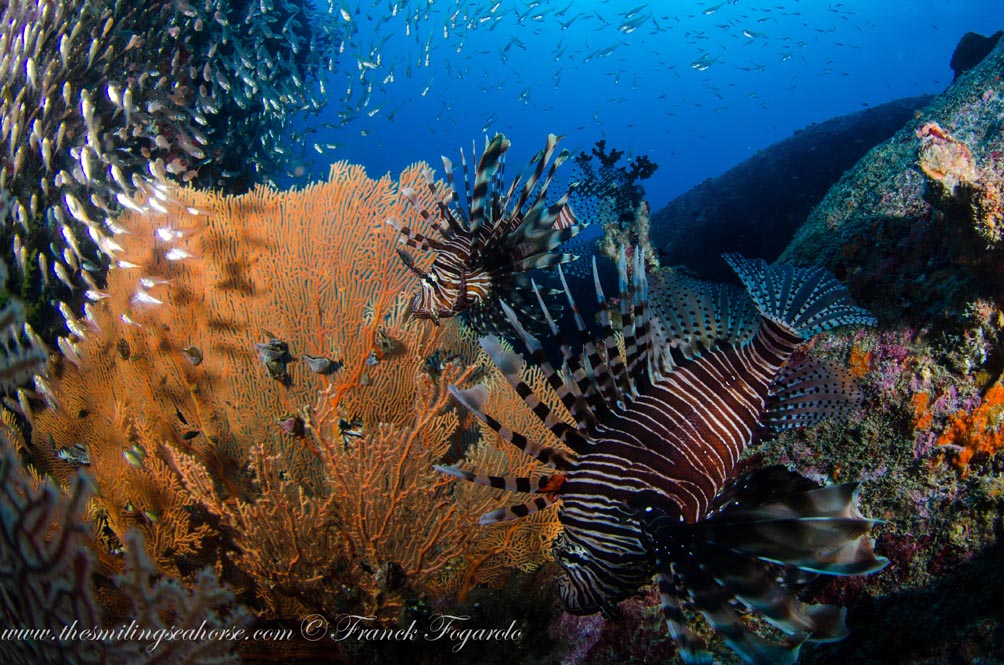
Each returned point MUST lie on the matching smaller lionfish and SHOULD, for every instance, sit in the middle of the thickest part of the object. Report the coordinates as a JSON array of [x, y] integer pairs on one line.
[[650, 483], [486, 247]]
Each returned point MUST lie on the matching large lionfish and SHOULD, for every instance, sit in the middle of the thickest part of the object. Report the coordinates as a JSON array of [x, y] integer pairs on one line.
[[651, 485], [486, 247]]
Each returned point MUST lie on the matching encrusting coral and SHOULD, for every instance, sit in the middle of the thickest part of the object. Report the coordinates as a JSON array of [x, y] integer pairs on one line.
[[264, 402], [958, 186]]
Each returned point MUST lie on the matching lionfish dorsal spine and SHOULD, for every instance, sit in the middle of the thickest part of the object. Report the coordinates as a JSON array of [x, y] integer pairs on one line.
[[449, 225], [569, 388], [510, 365], [540, 161], [487, 166], [541, 197], [638, 352], [615, 361], [473, 399], [554, 379], [586, 374]]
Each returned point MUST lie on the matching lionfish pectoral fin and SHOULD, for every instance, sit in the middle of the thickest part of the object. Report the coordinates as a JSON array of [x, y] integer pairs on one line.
[[690, 647], [709, 582], [764, 528], [806, 301], [809, 391], [803, 525], [474, 399], [524, 484]]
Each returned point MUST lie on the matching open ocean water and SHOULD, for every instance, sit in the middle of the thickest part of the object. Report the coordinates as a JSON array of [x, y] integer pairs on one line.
[[697, 87]]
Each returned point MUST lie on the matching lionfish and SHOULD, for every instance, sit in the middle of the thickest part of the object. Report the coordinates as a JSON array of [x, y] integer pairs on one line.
[[649, 477], [485, 247]]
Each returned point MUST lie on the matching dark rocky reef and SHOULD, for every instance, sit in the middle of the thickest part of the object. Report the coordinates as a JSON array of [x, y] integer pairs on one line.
[[915, 227], [971, 50], [756, 206]]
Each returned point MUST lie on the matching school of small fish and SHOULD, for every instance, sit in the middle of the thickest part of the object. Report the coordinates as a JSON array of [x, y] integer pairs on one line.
[[106, 104], [433, 49]]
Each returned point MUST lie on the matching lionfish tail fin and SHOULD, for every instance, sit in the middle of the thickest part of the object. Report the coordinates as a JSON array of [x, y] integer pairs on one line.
[[804, 300], [764, 529]]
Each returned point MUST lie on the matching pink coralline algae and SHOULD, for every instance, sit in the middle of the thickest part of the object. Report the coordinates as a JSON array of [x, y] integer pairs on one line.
[[958, 186]]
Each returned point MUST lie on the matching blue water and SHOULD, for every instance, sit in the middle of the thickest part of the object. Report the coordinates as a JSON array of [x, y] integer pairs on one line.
[[695, 86]]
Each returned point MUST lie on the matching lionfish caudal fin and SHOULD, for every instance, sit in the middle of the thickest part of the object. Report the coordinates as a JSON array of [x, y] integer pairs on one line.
[[490, 238], [766, 529]]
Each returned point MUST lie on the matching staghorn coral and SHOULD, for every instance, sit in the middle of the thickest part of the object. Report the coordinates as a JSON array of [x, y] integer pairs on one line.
[[264, 402]]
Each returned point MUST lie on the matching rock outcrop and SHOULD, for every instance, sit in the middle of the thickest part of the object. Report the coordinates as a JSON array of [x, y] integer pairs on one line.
[[755, 207]]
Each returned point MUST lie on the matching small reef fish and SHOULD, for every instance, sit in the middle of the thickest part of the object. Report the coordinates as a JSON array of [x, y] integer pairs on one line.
[[321, 364], [649, 480], [274, 354]]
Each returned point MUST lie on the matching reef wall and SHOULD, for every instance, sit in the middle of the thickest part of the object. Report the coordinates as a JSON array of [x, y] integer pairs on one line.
[[755, 206], [915, 230]]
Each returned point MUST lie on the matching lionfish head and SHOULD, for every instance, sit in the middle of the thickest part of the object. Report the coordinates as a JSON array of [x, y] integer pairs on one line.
[[435, 301], [583, 578], [485, 242]]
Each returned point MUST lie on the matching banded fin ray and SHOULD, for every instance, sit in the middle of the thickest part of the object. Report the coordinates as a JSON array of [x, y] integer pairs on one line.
[[511, 366], [586, 377], [523, 484], [518, 510], [473, 400]]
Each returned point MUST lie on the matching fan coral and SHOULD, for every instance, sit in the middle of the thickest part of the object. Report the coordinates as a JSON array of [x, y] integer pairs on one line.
[[262, 400]]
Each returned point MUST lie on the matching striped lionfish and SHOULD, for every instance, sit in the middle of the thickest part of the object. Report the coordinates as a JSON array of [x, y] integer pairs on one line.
[[486, 247], [651, 485]]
